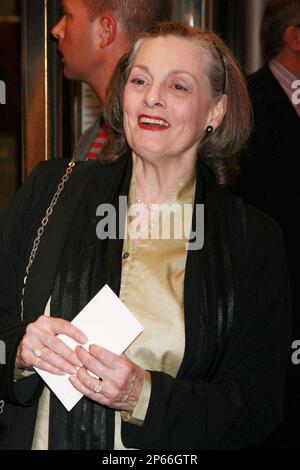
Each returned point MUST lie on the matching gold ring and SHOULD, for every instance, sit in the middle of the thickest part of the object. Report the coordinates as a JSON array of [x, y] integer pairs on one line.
[[38, 352], [98, 387]]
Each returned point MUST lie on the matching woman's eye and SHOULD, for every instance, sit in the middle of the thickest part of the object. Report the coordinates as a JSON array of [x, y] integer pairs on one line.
[[138, 81], [180, 87]]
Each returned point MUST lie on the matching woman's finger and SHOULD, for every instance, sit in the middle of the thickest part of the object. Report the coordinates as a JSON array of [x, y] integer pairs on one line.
[[92, 395], [56, 345], [56, 326], [55, 360], [94, 365], [94, 384], [105, 356], [43, 332], [31, 358]]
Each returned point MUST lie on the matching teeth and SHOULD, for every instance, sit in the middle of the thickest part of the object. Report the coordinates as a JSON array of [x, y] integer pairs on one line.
[[156, 122]]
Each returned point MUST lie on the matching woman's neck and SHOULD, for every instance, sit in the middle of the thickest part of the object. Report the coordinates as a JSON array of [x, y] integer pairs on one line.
[[154, 182]]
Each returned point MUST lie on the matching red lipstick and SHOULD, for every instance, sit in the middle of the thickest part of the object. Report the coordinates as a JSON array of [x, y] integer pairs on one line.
[[152, 123]]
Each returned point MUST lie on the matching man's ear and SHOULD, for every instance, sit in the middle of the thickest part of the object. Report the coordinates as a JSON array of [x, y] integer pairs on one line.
[[107, 29], [292, 38]]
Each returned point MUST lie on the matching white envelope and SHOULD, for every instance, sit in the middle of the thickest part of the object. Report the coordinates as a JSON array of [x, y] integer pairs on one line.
[[107, 322]]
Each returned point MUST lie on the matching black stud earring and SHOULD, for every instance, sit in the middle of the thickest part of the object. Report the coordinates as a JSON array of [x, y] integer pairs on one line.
[[209, 129]]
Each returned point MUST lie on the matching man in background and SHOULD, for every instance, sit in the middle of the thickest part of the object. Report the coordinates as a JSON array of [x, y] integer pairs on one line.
[[92, 36], [269, 178]]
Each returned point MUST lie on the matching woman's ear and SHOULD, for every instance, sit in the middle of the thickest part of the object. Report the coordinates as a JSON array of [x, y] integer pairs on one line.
[[217, 112], [107, 29]]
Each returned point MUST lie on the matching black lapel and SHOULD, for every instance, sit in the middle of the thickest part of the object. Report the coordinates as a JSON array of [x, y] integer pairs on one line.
[[111, 267], [208, 286], [42, 274], [193, 295]]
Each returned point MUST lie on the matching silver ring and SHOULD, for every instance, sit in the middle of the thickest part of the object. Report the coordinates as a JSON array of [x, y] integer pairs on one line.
[[38, 352], [98, 387]]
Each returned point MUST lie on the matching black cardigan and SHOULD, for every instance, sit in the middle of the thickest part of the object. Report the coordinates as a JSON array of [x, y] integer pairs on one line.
[[229, 389]]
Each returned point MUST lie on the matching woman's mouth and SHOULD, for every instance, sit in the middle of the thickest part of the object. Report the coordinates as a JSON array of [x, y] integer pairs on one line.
[[152, 123]]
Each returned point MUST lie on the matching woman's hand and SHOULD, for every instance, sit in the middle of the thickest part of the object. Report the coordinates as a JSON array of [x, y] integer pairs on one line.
[[41, 348], [120, 381]]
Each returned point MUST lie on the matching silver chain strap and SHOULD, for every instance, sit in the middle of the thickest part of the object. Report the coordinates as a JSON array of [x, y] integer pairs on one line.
[[42, 229]]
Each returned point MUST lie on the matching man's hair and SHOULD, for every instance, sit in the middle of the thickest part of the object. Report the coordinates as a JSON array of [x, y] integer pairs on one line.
[[277, 16], [136, 15], [218, 150]]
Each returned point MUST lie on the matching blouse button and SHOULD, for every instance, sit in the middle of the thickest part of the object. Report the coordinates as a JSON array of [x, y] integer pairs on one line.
[[126, 255]]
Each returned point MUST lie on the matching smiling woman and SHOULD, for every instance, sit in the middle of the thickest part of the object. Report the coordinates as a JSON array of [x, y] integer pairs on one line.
[[169, 92], [197, 70], [203, 374]]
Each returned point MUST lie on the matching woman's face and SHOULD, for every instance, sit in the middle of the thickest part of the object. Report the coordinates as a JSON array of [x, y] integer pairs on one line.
[[167, 104]]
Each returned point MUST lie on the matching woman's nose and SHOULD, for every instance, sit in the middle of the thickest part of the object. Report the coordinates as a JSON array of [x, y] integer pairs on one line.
[[154, 98], [58, 31]]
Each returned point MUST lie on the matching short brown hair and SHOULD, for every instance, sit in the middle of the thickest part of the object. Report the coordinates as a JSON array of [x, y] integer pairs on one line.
[[136, 15], [218, 150], [277, 16]]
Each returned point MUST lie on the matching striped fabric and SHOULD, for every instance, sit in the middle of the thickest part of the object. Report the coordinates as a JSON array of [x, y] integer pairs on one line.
[[99, 142]]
